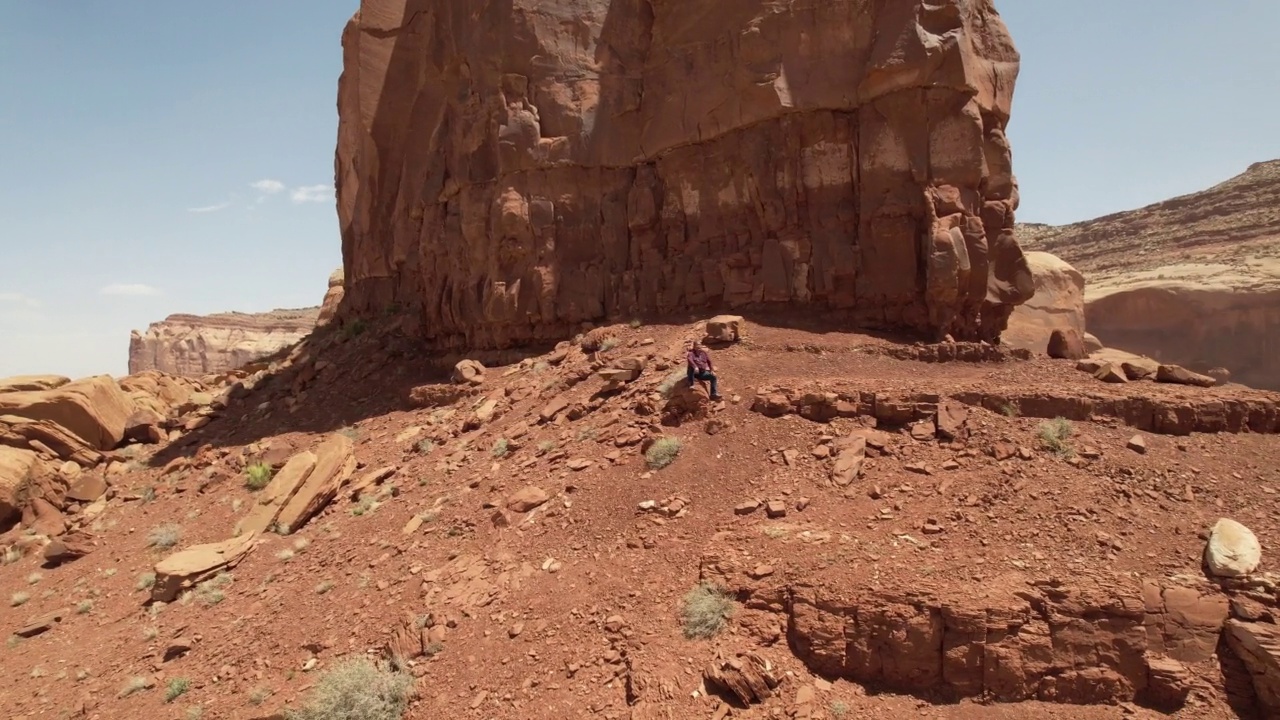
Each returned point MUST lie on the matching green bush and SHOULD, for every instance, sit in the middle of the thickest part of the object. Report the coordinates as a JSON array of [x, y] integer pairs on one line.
[[1055, 435], [257, 476]]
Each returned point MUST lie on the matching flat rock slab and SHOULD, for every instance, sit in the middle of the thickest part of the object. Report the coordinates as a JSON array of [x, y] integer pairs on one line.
[[186, 568]]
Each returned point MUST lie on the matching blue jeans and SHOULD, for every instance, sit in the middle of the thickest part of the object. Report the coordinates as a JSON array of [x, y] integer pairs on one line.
[[702, 375]]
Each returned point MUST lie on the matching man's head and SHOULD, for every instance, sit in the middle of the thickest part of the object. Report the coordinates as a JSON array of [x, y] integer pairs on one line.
[[695, 345]]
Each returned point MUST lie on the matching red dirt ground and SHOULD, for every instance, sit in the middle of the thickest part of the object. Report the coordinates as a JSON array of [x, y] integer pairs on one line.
[[530, 641]]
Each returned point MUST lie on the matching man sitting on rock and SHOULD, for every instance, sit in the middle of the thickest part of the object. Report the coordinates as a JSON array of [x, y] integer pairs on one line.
[[698, 365]]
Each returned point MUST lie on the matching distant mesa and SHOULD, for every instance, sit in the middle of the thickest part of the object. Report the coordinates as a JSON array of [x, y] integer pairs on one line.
[[1192, 281], [196, 346]]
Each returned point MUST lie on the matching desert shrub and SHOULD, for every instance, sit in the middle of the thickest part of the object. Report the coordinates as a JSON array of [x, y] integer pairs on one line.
[[176, 689], [500, 448], [165, 536], [668, 383], [145, 581], [706, 608], [662, 452], [1055, 435], [257, 476], [357, 690], [19, 598]]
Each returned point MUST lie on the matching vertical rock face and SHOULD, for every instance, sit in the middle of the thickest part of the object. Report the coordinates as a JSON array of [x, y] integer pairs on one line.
[[197, 345], [511, 170]]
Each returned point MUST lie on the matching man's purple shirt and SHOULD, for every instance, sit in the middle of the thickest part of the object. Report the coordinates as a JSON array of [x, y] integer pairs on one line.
[[699, 360]]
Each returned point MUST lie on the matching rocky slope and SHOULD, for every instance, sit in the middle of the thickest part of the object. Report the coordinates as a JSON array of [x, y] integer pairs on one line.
[[200, 345], [885, 533], [1194, 280], [508, 171]]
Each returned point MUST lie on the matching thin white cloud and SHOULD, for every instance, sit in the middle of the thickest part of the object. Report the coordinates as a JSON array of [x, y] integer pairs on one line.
[[130, 290], [18, 299], [270, 187], [210, 208], [312, 193]]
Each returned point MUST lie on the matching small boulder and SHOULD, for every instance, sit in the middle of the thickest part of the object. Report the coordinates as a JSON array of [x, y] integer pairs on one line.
[[1220, 374], [1109, 373], [1232, 550], [1182, 376], [725, 328], [1091, 343], [1138, 444], [527, 499], [1066, 344], [468, 372]]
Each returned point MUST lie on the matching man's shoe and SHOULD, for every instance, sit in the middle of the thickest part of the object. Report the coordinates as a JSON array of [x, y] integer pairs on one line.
[[717, 397]]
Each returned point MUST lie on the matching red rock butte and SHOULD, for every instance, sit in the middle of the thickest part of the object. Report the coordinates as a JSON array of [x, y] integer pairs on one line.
[[510, 171]]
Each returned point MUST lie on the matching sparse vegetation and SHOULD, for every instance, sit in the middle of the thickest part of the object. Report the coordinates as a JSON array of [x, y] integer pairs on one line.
[[635, 323], [134, 685], [350, 432], [357, 689], [284, 555], [1055, 436], [257, 476], [301, 544], [1009, 410], [839, 709], [353, 329], [176, 689], [706, 608], [608, 344], [426, 446], [165, 536], [546, 446], [148, 494], [195, 712], [146, 581], [19, 598], [587, 433], [668, 383], [259, 696], [210, 591], [150, 633], [12, 555], [366, 504], [662, 452], [84, 607], [500, 448], [34, 578]]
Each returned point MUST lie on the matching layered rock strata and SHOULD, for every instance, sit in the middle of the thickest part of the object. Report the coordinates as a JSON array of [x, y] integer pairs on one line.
[[199, 345], [510, 171]]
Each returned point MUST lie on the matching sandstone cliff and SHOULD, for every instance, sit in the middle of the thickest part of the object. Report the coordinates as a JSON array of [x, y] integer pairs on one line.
[[198, 345], [509, 171], [1194, 280]]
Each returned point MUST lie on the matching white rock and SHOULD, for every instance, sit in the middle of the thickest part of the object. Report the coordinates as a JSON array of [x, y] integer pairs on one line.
[[1233, 549]]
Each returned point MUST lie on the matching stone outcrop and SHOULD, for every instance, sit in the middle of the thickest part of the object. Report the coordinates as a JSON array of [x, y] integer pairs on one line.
[[1149, 409], [20, 383], [1058, 304], [507, 172], [332, 299], [1191, 281], [199, 345], [95, 409], [1094, 640], [185, 569]]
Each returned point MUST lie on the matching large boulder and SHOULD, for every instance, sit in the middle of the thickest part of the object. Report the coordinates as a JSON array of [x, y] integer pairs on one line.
[[332, 299], [95, 409], [843, 158], [1232, 550], [1058, 305]]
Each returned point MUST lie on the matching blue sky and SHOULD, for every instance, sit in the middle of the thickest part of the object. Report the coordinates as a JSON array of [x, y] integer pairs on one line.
[[178, 157]]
